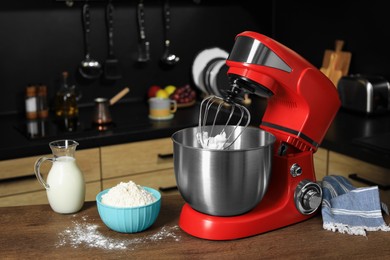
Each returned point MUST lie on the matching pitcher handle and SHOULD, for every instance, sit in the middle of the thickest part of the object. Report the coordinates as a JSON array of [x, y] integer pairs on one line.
[[38, 171]]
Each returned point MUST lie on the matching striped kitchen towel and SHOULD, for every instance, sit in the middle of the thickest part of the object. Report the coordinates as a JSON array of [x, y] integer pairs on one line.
[[351, 210]]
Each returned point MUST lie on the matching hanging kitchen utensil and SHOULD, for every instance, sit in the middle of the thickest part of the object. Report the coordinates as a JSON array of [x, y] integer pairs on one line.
[[89, 68], [168, 58], [343, 58], [112, 70], [143, 44]]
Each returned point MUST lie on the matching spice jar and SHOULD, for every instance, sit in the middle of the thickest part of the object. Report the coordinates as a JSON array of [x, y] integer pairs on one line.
[[31, 102], [43, 109]]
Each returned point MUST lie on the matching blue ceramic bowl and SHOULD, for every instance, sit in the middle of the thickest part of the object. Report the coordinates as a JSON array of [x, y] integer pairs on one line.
[[129, 219]]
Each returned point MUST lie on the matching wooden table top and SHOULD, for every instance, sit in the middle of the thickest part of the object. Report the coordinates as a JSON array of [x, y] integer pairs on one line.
[[38, 232]]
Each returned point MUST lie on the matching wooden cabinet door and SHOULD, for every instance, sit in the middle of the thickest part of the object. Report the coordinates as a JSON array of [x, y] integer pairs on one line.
[[19, 185], [343, 165], [40, 197], [163, 180], [321, 163], [137, 157]]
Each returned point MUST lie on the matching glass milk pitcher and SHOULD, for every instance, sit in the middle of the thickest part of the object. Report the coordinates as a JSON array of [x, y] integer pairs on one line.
[[65, 185]]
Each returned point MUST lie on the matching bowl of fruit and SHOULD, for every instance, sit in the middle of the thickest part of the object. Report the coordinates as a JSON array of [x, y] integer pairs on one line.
[[184, 96]]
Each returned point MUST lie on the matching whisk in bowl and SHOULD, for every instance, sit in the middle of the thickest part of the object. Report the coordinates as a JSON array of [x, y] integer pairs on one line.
[[213, 134]]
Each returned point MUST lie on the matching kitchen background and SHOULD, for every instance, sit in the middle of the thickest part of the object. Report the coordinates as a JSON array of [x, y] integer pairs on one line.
[[42, 38]]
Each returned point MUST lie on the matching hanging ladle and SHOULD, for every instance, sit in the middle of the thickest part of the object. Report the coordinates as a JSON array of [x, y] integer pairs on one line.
[[168, 57], [89, 68]]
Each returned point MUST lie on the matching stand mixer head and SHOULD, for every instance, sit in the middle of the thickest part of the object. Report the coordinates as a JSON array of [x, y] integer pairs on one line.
[[302, 101]]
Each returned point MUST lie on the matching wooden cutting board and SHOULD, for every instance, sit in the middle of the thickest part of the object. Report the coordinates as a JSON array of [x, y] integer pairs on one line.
[[342, 60], [330, 71]]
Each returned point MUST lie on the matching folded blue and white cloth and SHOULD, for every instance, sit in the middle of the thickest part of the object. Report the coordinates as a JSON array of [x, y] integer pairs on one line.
[[351, 210]]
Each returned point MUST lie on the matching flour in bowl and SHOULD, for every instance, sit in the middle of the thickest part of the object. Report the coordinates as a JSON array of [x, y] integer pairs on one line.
[[127, 194]]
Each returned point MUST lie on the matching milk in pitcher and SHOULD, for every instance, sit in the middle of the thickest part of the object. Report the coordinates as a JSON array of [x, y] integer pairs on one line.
[[65, 185], [67, 192]]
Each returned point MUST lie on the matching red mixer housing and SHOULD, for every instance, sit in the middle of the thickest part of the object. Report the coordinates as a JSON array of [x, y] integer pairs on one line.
[[302, 100], [302, 103]]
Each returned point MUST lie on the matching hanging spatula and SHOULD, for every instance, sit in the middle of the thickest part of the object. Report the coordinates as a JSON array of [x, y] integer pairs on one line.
[[112, 69]]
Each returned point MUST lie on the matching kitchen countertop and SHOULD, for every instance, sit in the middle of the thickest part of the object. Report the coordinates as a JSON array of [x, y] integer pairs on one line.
[[347, 134], [364, 137], [130, 123], [38, 232]]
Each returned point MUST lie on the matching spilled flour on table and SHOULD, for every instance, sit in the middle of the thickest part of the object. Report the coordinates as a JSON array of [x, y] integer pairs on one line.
[[84, 234]]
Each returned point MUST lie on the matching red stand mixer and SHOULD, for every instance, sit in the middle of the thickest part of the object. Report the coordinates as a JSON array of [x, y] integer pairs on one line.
[[302, 103]]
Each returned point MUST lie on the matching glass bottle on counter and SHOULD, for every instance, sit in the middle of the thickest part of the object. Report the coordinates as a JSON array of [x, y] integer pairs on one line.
[[65, 104]]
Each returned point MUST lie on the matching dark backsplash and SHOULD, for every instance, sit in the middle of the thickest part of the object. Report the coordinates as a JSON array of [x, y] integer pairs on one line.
[[309, 28], [39, 42], [40, 39]]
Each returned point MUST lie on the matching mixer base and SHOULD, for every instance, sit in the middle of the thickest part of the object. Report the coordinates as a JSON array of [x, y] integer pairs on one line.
[[276, 210], [260, 220]]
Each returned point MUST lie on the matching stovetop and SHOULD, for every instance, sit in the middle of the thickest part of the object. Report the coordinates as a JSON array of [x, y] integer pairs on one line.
[[41, 129], [124, 117]]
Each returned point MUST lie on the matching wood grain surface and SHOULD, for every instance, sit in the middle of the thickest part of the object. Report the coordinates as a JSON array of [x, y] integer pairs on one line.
[[37, 232]]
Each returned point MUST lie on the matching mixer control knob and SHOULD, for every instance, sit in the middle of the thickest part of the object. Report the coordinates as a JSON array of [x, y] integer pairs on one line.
[[308, 197]]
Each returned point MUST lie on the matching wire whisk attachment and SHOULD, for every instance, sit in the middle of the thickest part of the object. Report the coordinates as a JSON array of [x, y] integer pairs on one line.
[[215, 115]]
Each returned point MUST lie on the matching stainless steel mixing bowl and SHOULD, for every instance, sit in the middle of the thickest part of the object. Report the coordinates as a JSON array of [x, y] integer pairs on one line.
[[223, 182]]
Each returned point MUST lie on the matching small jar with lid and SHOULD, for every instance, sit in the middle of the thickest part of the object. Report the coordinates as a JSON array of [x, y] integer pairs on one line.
[[31, 102], [43, 109]]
